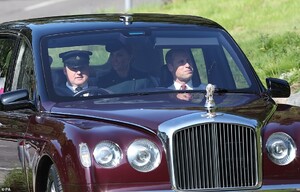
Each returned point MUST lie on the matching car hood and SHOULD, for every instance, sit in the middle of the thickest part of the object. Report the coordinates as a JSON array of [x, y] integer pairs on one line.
[[150, 112]]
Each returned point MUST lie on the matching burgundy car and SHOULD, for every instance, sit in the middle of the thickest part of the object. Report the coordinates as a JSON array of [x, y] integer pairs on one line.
[[136, 133]]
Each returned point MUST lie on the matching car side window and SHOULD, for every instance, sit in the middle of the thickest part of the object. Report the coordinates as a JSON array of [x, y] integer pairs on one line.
[[23, 75], [6, 49], [198, 55], [238, 73]]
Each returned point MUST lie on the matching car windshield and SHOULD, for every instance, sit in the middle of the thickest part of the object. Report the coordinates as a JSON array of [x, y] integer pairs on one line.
[[136, 61]]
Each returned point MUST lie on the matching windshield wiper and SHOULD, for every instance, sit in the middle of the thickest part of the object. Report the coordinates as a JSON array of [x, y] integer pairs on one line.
[[221, 90]]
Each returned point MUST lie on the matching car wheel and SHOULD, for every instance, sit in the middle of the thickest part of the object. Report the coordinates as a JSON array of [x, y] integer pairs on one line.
[[53, 183]]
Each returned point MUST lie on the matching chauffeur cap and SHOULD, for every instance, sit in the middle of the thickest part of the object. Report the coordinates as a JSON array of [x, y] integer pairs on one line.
[[76, 58]]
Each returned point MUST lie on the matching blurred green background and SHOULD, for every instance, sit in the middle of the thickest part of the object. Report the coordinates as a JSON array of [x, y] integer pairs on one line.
[[268, 31]]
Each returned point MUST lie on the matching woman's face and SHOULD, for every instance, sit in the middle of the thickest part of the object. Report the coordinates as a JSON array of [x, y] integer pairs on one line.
[[120, 59]]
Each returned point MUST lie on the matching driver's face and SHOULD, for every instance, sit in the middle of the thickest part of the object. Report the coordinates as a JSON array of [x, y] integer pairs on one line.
[[77, 77]]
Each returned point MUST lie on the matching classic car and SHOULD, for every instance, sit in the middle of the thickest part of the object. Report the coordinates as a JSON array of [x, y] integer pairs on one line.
[[138, 134]]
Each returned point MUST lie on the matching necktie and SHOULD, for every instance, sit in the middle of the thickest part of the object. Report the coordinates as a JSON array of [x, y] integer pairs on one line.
[[184, 96], [78, 89]]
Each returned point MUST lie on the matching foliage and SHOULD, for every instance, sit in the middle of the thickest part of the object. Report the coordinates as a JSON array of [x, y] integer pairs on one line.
[[268, 31], [6, 46], [15, 181], [276, 56]]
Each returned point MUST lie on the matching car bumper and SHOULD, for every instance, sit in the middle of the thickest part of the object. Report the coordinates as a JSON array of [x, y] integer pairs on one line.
[[272, 188]]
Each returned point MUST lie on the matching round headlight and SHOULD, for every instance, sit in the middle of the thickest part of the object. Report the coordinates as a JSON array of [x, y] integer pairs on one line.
[[281, 148], [143, 155], [107, 154]]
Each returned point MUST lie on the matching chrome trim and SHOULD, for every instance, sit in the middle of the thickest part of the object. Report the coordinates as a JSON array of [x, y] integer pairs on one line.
[[287, 187], [101, 118], [271, 188], [210, 102], [126, 19], [168, 128]]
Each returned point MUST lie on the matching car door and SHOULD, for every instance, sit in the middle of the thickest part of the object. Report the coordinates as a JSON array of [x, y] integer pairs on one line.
[[17, 65]]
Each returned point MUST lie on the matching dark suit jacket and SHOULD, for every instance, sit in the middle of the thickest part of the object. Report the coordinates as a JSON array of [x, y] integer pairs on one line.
[[112, 78]]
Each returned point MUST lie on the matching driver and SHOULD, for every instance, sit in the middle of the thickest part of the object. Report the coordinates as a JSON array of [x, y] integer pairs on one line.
[[76, 70]]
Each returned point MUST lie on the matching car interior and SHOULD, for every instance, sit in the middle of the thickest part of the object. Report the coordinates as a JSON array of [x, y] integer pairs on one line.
[[210, 60]]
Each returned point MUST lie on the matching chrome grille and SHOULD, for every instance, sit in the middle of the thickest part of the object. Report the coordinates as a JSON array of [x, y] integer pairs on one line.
[[215, 156]]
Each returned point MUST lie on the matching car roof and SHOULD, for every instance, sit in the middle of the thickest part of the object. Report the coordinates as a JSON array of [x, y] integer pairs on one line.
[[57, 24]]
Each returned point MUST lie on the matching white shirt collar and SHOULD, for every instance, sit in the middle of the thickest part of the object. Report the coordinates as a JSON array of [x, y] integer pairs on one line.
[[177, 86], [72, 88]]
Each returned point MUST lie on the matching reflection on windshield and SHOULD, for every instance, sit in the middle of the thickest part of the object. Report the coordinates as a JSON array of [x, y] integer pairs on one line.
[[84, 65]]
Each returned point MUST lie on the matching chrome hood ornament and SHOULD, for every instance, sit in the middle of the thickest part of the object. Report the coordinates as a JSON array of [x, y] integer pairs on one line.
[[210, 102]]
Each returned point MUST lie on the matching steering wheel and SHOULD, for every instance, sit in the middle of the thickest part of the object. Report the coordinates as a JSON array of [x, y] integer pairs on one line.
[[94, 91]]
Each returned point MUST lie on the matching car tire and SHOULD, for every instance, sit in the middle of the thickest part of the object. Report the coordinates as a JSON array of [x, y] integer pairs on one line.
[[53, 182]]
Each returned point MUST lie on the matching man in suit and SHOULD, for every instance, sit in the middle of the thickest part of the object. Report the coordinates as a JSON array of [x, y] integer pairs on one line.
[[180, 65], [76, 70]]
